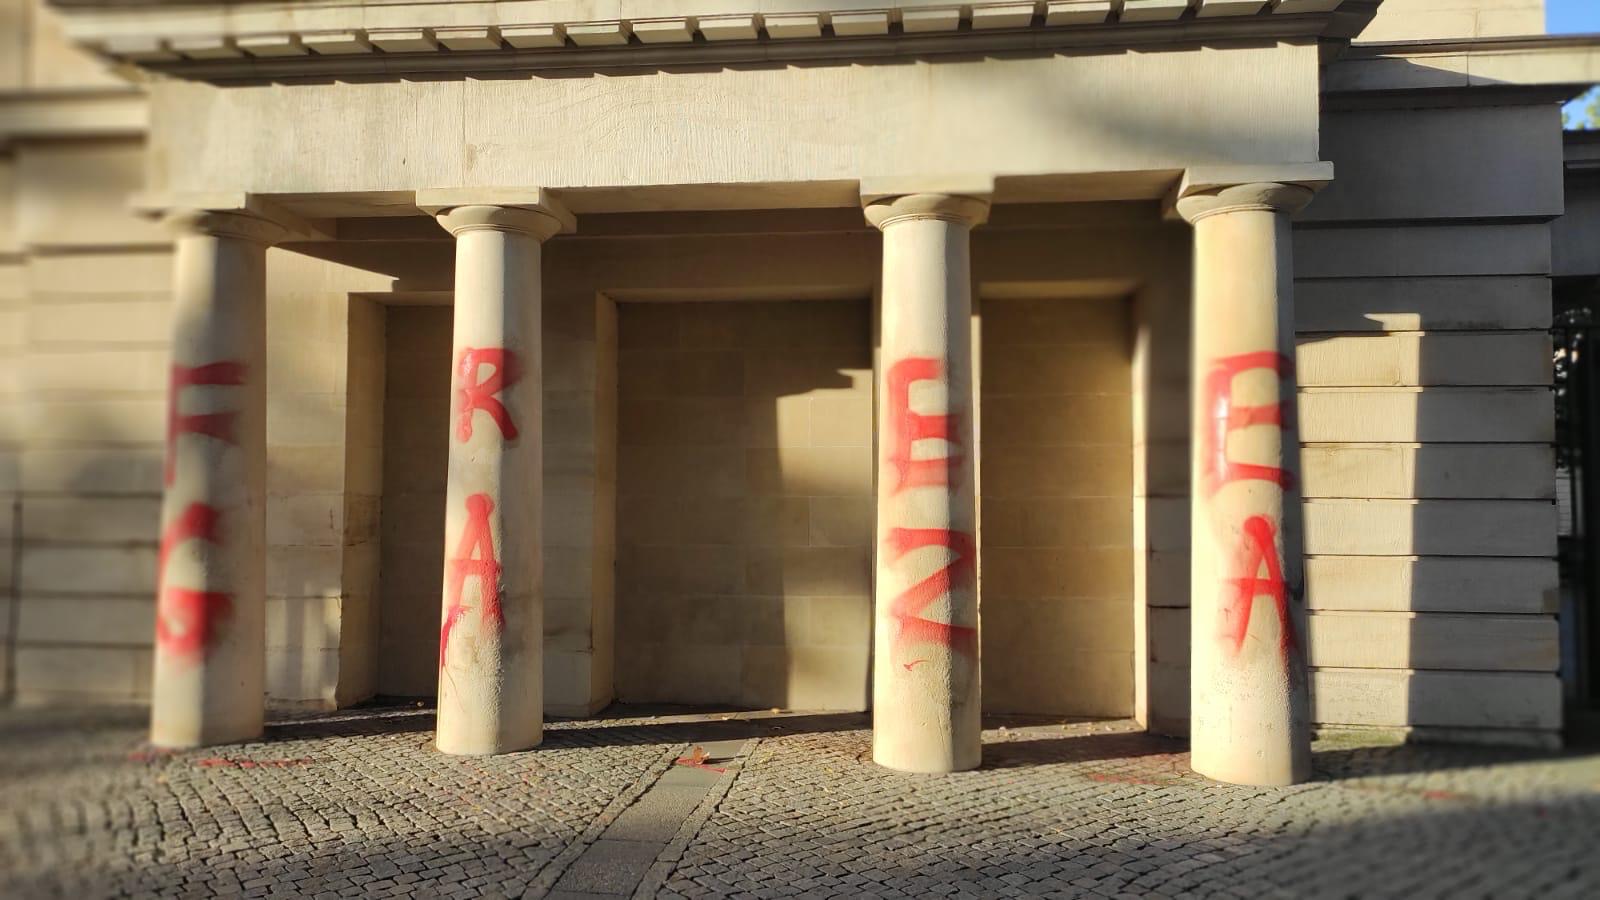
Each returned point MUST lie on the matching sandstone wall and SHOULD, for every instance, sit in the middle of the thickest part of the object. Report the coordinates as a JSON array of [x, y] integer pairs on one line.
[[1056, 506], [744, 503], [1423, 298]]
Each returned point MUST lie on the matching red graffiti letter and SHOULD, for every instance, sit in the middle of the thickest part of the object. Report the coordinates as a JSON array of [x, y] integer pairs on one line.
[[218, 425], [1257, 547], [474, 558], [472, 394], [186, 619], [1226, 418], [908, 606], [910, 427]]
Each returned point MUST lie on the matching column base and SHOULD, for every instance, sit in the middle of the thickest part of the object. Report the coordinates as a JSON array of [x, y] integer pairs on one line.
[[1253, 771], [479, 747], [927, 769], [933, 757], [169, 737]]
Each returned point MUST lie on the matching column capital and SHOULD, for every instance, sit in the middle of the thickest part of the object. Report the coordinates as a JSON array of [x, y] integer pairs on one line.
[[965, 209], [532, 211], [1266, 196], [539, 223], [238, 224], [1208, 190]]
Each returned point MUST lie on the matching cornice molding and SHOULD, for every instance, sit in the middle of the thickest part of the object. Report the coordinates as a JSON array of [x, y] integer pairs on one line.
[[1533, 61], [71, 114], [233, 41]]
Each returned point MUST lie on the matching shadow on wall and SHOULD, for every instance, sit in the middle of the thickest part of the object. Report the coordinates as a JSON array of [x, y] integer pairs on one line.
[[1427, 422], [98, 323], [1056, 506], [744, 503], [415, 465]]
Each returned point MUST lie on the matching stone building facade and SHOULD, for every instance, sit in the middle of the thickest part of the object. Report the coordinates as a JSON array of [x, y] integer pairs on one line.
[[546, 353]]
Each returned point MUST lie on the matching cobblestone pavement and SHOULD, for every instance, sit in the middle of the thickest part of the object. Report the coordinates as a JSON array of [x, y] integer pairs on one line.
[[358, 804]]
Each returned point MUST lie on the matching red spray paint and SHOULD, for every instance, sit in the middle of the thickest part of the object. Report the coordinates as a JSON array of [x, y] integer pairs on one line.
[[217, 425], [1258, 548], [1227, 417], [910, 427], [907, 608], [474, 558], [473, 395], [187, 620]]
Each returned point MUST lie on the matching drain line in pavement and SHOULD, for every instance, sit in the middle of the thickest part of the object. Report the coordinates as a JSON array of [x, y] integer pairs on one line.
[[631, 848]]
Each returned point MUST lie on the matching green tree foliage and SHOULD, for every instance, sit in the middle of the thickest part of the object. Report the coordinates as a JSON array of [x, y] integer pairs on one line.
[[1582, 113]]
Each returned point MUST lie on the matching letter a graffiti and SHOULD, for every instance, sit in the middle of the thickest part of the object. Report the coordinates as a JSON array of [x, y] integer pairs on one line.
[[1258, 548], [474, 558]]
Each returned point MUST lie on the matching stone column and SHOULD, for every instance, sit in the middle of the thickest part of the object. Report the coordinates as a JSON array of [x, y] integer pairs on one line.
[[491, 637], [925, 708], [210, 650], [1250, 715]]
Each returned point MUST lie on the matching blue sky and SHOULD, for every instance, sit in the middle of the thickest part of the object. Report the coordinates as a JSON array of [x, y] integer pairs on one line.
[[1569, 16]]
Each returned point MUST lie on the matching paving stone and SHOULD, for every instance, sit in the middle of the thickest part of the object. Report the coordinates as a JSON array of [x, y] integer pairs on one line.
[[358, 804], [657, 815], [610, 867], [356, 799]]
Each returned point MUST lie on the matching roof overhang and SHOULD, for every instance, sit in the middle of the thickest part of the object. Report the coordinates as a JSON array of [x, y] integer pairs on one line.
[[243, 40], [1536, 68]]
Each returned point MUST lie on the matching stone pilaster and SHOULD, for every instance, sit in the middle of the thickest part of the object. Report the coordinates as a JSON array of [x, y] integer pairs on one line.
[[210, 656], [926, 677], [1250, 713], [491, 680]]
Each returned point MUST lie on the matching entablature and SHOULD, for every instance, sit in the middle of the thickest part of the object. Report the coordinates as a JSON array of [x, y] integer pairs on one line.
[[244, 40]]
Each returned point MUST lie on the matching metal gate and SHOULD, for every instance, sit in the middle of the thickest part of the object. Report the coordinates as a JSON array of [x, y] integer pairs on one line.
[[1575, 335]]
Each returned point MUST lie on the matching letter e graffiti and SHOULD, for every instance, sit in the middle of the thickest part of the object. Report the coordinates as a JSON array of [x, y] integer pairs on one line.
[[1226, 416], [216, 425], [910, 427]]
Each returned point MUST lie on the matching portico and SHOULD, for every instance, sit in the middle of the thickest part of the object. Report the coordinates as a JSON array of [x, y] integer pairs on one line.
[[829, 157], [927, 670]]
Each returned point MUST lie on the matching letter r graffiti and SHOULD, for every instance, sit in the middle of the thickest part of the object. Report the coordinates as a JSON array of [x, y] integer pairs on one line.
[[473, 395]]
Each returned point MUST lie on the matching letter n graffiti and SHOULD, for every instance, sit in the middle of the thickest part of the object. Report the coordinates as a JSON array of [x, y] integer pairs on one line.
[[473, 394], [474, 558], [910, 427], [907, 608]]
